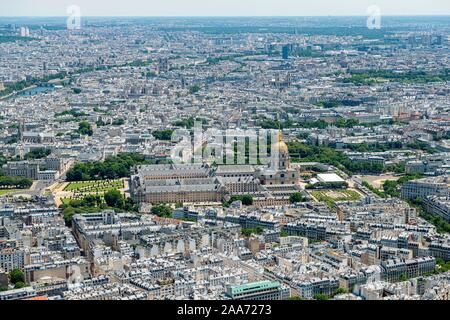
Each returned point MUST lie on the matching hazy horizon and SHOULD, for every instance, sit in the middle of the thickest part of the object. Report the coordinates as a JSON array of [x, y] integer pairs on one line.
[[223, 8], [212, 16]]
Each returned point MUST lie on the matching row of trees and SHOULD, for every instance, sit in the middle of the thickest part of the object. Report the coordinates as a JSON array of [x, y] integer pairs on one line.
[[247, 232], [373, 189], [338, 103], [442, 226], [310, 153], [118, 122], [247, 200], [15, 183], [329, 104], [112, 199], [12, 182], [187, 123], [319, 124], [165, 135], [328, 185], [322, 296], [72, 112], [414, 76], [113, 167], [21, 85], [392, 187], [421, 145], [305, 152], [162, 210], [375, 147], [38, 153]]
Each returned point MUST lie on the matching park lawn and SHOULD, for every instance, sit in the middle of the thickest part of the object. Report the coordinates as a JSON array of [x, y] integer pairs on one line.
[[68, 200], [65, 200], [330, 197], [5, 191], [94, 186], [79, 197]]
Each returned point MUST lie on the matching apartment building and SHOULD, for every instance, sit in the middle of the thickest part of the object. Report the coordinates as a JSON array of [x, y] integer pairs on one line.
[[262, 290], [438, 206], [422, 188]]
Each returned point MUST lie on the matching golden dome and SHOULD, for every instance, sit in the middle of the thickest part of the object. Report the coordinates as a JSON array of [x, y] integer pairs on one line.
[[281, 145]]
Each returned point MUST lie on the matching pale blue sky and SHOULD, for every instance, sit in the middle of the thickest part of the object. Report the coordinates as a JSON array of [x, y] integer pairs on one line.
[[222, 7]]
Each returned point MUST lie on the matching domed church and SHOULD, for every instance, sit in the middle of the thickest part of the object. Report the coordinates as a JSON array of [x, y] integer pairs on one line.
[[279, 171]]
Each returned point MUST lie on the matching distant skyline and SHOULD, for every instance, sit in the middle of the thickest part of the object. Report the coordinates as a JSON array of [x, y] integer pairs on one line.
[[161, 8]]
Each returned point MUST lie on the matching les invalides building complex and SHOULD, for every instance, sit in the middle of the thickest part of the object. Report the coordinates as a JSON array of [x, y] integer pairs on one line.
[[271, 184]]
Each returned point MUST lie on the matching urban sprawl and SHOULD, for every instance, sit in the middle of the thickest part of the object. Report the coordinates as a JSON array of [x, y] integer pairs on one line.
[[329, 180]]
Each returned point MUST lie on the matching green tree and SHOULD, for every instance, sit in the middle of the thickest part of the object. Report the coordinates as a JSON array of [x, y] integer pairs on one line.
[[284, 234], [321, 296], [100, 123], [20, 285], [403, 277], [185, 123], [340, 291], [247, 200], [68, 214], [165, 135], [249, 231], [390, 187], [16, 275], [194, 89], [118, 122], [15, 182], [38, 153], [114, 198], [162, 210], [85, 128], [296, 197], [113, 167], [295, 298]]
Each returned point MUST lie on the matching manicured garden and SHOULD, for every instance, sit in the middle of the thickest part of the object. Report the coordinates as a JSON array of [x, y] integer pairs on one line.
[[98, 186], [330, 197]]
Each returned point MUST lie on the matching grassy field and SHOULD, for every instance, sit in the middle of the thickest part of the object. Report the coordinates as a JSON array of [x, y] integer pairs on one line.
[[94, 186], [66, 200], [330, 197], [5, 191]]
